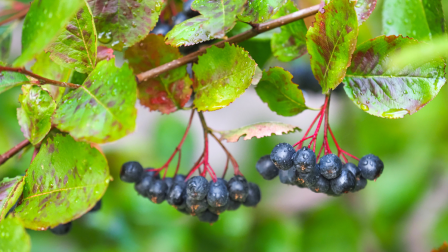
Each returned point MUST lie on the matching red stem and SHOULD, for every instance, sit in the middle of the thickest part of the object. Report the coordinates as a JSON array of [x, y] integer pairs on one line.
[[340, 150], [319, 124], [18, 15], [308, 131], [13, 151], [225, 169]]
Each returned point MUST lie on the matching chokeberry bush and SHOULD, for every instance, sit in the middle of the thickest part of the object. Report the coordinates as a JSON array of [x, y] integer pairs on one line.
[[84, 64]]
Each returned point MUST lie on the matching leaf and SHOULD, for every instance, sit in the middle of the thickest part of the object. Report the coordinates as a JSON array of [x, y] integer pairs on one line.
[[104, 53], [282, 95], [5, 39], [331, 41], [257, 130], [13, 236], [103, 109], [217, 18], [167, 92], [420, 19], [259, 11], [35, 114], [76, 46], [10, 191], [364, 9], [65, 180], [290, 43], [48, 15], [391, 92], [9, 80], [123, 23], [222, 75]]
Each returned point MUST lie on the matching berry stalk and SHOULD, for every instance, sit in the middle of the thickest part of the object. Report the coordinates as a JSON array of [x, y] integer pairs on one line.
[[13, 151]]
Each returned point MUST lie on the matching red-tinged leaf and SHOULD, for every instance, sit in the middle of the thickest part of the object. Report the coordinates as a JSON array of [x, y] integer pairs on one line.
[[222, 75], [10, 191], [331, 41], [104, 53], [259, 11], [167, 92], [258, 130], [389, 91], [122, 23], [364, 9]]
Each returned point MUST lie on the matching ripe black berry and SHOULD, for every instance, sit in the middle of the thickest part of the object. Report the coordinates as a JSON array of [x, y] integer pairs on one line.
[[360, 184], [131, 172], [157, 191], [208, 217], [266, 168], [330, 166], [187, 9], [238, 188], [353, 169], [154, 174], [179, 18], [254, 195], [195, 207], [197, 188], [96, 207], [217, 210], [344, 183], [169, 182], [322, 185], [371, 166], [179, 177], [218, 195], [308, 179], [62, 229], [288, 177], [142, 187], [281, 156], [161, 28], [176, 193], [233, 205], [304, 160]]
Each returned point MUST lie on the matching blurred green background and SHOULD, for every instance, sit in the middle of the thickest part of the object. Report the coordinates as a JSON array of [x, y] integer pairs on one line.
[[406, 209]]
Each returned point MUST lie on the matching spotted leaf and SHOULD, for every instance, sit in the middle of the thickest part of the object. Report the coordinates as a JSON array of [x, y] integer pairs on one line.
[[167, 92], [103, 108], [222, 75], [331, 41], [389, 91], [257, 130], [259, 11], [10, 191], [65, 180], [9, 80], [363, 9]]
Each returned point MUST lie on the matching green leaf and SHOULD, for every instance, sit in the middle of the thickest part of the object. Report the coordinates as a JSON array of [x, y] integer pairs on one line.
[[123, 23], [282, 95], [10, 191], [5, 39], [9, 80], [65, 180], [76, 46], [331, 41], [167, 92], [35, 114], [103, 109], [259, 11], [217, 18], [290, 43], [419, 19], [257, 130], [391, 92], [363, 9], [13, 236], [222, 75], [44, 15], [47, 68]]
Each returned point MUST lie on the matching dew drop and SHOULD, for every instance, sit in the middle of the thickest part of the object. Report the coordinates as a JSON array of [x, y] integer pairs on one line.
[[105, 37]]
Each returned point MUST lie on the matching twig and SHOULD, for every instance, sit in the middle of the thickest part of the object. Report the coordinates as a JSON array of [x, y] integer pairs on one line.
[[229, 155], [18, 15], [257, 29], [41, 79], [14, 150]]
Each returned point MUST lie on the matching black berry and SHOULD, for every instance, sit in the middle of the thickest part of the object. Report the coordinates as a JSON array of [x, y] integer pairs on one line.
[[217, 210], [208, 217], [238, 188], [281, 156], [344, 183], [179, 18], [96, 207], [195, 207], [304, 160], [62, 229], [131, 172], [266, 168], [161, 28], [179, 177], [176, 193], [353, 169], [169, 182], [157, 191], [371, 166], [254, 195], [142, 187], [218, 195], [233, 205], [307, 179], [197, 188], [360, 184], [187, 9], [288, 177], [330, 166], [322, 185]]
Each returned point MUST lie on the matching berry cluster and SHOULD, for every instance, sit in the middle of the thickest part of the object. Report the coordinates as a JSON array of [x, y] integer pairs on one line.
[[63, 229], [194, 196], [329, 175]]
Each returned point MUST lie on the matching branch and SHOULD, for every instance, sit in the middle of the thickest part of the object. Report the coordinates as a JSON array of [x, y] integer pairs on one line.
[[257, 29], [18, 15], [13, 151], [41, 79]]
